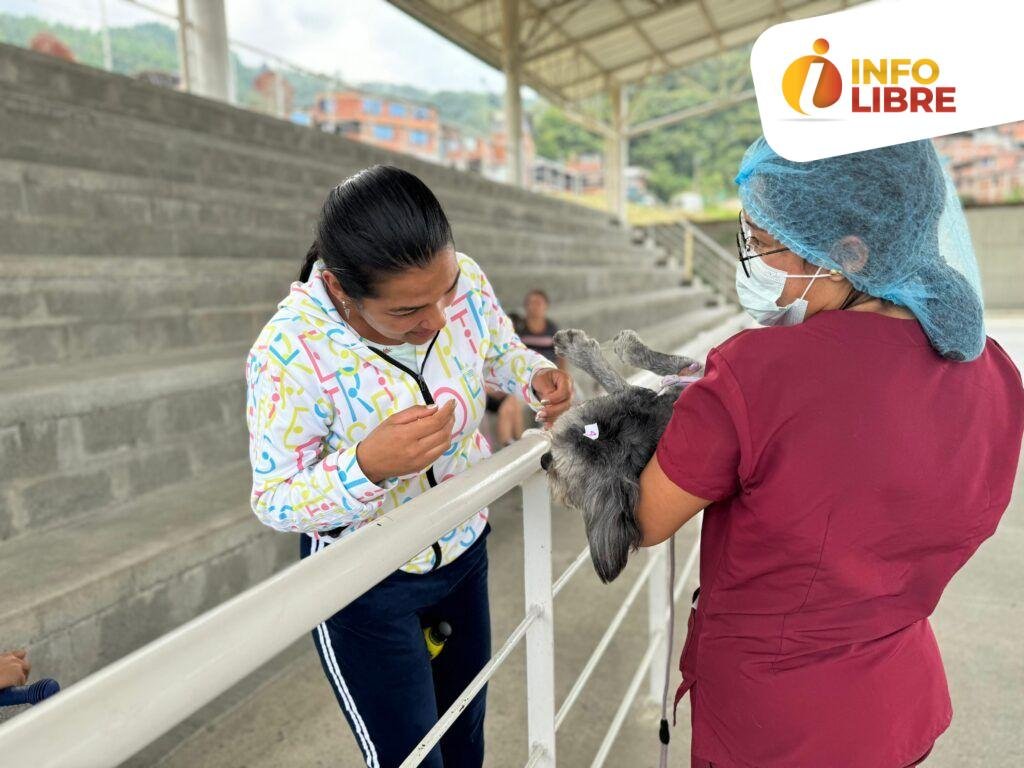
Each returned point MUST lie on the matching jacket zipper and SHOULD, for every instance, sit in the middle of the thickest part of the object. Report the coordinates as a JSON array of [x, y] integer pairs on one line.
[[429, 400]]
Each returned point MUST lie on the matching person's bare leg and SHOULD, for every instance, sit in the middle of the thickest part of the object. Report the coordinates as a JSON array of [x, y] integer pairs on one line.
[[506, 427], [516, 418]]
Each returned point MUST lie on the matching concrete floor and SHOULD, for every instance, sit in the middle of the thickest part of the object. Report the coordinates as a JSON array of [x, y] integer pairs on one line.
[[292, 720]]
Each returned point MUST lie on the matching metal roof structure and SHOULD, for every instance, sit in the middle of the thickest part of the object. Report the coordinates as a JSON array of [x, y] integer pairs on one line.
[[574, 49], [573, 52]]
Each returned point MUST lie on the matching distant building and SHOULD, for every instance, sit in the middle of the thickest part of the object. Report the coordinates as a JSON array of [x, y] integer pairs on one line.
[[636, 186], [273, 92], [401, 125], [51, 45], [465, 151], [486, 155], [590, 170], [554, 176], [159, 77], [499, 153], [987, 165], [689, 201]]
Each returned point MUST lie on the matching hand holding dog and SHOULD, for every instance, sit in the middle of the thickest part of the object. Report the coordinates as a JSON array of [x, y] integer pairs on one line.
[[407, 441], [554, 388]]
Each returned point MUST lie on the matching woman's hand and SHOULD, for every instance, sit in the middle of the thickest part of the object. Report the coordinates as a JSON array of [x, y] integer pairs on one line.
[[408, 441], [554, 389], [14, 668]]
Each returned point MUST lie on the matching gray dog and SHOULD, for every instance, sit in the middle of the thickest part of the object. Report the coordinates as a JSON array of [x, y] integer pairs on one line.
[[599, 447]]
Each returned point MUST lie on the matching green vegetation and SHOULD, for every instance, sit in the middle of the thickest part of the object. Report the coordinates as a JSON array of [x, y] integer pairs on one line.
[[700, 154]]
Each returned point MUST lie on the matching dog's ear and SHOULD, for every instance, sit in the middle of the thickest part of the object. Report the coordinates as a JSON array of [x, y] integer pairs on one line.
[[631, 350], [612, 530]]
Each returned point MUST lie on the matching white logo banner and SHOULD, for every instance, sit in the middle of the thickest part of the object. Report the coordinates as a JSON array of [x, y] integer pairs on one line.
[[887, 72]]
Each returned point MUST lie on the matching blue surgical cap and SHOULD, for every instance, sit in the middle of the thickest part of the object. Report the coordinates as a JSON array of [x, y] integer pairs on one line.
[[889, 219]]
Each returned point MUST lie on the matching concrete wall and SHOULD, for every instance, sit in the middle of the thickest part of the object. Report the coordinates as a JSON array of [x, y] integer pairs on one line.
[[998, 234]]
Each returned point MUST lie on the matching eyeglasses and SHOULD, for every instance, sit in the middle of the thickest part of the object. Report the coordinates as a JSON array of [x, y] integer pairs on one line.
[[744, 252]]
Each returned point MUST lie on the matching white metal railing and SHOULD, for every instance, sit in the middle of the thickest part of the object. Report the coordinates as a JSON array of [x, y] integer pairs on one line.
[[686, 246], [149, 691]]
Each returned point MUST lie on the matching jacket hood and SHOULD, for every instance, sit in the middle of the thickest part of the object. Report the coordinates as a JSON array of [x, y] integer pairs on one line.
[[311, 301]]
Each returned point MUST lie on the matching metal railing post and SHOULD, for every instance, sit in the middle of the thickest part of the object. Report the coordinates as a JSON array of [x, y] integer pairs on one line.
[[540, 637], [657, 610], [687, 255], [185, 68], [279, 106]]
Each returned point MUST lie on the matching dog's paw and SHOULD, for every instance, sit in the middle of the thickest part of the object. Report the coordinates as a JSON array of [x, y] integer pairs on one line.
[[569, 342], [624, 342]]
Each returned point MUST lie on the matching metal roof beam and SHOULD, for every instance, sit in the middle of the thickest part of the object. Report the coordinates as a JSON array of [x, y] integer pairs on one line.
[[531, 56], [465, 7], [685, 114], [641, 59], [579, 50]]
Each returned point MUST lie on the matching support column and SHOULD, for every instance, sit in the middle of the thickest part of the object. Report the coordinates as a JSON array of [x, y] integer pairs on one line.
[[616, 156], [208, 67], [512, 66], [108, 57]]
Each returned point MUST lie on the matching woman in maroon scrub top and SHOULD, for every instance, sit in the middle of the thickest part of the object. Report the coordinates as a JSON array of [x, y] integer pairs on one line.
[[851, 458]]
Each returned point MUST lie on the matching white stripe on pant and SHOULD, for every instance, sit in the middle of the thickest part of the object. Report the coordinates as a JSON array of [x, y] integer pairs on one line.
[[369, 751]]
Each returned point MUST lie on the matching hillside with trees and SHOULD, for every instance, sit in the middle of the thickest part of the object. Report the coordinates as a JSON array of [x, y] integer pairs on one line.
[[700, 154]]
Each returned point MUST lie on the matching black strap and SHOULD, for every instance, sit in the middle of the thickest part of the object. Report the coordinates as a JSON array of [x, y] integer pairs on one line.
[[429, 398], [418, 375]]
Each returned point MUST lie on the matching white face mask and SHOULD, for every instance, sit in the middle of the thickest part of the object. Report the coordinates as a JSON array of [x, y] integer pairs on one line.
[[760, 292]]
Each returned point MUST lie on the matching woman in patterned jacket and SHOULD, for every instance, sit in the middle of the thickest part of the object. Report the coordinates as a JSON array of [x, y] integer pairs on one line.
[[366, 389]]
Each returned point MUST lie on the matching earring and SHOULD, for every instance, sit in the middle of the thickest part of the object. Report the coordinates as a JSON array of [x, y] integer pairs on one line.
[[344, 306]]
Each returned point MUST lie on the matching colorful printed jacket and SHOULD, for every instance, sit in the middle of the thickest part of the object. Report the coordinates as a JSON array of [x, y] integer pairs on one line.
[[314, 390]]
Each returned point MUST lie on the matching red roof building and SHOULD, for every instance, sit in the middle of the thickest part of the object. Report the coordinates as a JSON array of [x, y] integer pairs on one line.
[[51, 45], [397, 124]]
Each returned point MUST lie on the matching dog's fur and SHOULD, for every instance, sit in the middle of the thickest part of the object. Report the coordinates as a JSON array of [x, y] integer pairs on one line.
[[601, 477]]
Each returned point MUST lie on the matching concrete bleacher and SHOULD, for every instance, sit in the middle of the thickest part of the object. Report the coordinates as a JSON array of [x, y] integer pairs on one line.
[[145, 237]]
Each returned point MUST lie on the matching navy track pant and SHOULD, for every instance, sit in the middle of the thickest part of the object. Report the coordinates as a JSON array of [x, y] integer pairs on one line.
[[374, 656]]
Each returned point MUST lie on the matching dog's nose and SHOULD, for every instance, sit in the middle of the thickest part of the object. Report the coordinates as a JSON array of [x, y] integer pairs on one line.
[[545, 461]]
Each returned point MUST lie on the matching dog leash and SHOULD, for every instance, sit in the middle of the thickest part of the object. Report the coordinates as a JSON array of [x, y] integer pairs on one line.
[[663, 732]]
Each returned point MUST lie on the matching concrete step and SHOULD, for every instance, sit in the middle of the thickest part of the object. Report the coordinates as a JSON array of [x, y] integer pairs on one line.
[[77, 440], [97, 288], [87, 289], [569, 283], [115, 581], [38, 341], [64, 236], [73, 134], [68, 339], [42, 189], [604, 317]]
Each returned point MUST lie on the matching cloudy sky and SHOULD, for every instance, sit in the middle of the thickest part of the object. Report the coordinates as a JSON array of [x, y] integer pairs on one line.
[[365, 40]]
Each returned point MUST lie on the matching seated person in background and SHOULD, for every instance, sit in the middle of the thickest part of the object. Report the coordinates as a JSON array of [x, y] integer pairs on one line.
[[537, 332], [14, 668]]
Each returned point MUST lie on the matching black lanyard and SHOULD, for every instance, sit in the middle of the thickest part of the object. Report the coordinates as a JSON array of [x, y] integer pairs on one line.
[[429, 399]]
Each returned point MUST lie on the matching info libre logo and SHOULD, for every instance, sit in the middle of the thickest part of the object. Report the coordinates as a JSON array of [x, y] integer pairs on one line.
[[813, 83]]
